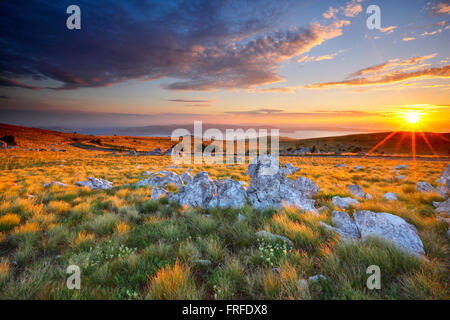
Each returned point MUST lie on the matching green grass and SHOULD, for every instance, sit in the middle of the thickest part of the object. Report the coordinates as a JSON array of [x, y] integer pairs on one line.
[[131, 247]]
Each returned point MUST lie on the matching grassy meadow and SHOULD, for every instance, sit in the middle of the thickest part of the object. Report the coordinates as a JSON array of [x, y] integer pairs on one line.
[[131, 247]]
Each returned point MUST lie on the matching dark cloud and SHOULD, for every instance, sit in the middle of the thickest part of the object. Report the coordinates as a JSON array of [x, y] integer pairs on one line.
[[202, 44]]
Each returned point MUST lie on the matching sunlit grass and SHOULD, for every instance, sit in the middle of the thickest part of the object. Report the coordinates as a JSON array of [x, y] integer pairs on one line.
[[131, 247]]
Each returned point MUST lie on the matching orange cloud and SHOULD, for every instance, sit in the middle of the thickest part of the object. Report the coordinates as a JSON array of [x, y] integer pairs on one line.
[[390, 78]]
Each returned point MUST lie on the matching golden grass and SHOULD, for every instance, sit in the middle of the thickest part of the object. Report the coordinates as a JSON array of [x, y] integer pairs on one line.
[[9, 221], [174, 283]]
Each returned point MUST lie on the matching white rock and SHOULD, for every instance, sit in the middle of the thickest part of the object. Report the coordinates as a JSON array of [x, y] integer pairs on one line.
[[289, 169], [95, 184], [156, 180], [391, 228], [356, 191], [159, 192], [390, 196], [55, 183], [345, 226], [186, 177], [424, 187], [269, 186], [443, 207], [230, 194], [198, 192], [344, 203]]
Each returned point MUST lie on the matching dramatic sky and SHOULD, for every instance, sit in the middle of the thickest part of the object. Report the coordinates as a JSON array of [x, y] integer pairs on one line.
[[311, 65]]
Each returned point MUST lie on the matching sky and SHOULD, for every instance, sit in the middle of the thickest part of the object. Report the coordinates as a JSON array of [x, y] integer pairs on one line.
[[312, 67]]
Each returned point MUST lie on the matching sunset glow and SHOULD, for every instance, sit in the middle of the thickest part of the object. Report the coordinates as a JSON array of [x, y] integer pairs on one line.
[[412, 117]]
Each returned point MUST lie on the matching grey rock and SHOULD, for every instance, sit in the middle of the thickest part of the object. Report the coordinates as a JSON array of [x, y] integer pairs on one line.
[[443, 219], [95, 184], [445, 175], [443, 207], [424, 187], [157, 180], [356, 191], [442, 190], [55, 183], [155, 152], [345, 225], [306, 186], [358, 167], [186, 177], [159, 192], [400, 177], [197, 193], [368, 196], [303, 150], [341, 165], [344, 203], [269, 186], [390, 196], [147, 173], [290, 169], [230, 194], [401, 167], [390, 228]]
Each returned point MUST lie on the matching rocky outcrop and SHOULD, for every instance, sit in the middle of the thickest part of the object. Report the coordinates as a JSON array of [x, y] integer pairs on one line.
[[186, 177], [445, 175], [344, 203], [158, 180], [197, 193], [230, 194], [269, 186], [95, 184]]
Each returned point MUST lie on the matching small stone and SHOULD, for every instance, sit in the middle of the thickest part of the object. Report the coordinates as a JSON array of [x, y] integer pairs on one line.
[[390, 196]]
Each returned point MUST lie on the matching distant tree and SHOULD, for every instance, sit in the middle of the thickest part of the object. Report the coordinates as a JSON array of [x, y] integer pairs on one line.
[[356, 149], [313, 149]]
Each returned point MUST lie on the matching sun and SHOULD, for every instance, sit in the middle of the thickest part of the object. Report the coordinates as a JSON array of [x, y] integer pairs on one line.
[[412, 117]]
